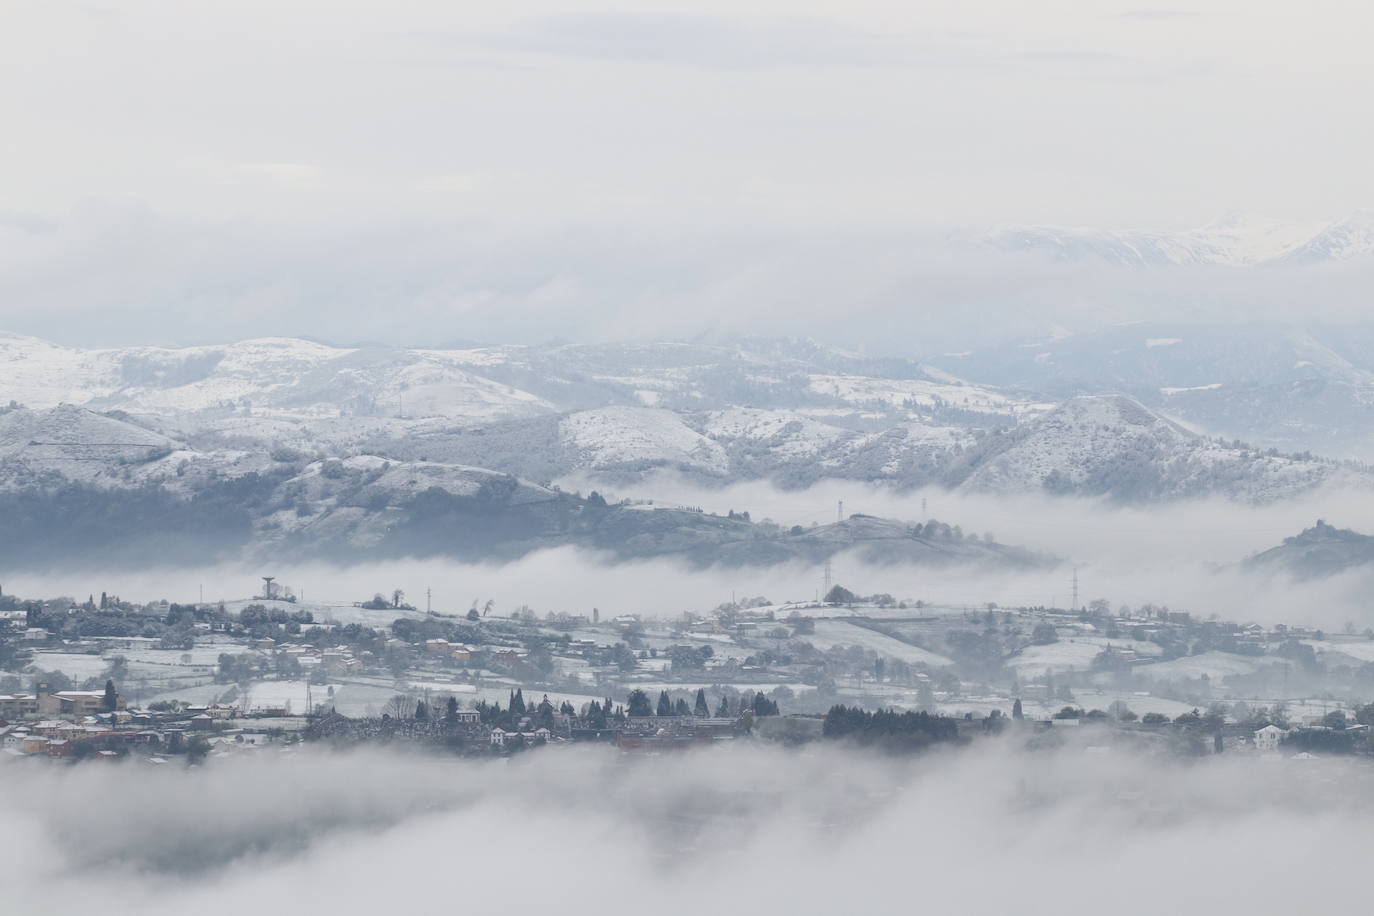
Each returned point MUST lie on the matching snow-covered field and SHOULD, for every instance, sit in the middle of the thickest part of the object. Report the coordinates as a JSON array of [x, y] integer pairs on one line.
[[330, 612], [1034, 661], [74, 665], [201, 655], [1075, 654], [1217, 666], [840, 633], [1356, 652]]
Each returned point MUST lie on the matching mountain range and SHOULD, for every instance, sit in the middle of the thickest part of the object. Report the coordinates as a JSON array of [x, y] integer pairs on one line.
[[106, 491], [303, 447], [1236, 239], [1294, 388], [791, 412]]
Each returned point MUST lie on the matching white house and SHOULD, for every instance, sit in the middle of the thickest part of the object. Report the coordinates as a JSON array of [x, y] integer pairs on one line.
[[1269, 738]]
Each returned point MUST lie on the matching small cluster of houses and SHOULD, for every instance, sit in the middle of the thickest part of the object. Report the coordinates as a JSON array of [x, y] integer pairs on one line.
[[464, 729], [633, 733], [69, 724], [465, 654], [52, 703], [334, 661]]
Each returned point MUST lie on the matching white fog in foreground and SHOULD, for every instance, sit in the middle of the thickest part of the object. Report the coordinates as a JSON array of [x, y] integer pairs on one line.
[[742, 830]]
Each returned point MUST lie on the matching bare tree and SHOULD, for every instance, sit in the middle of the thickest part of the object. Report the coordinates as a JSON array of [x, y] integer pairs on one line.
[[400, 707]]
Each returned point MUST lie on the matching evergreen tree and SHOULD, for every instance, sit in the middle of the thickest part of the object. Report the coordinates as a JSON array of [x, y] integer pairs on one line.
[[638, 704], [764, 706], [840, 595], [701, 709], [1016, 710], [451, 710], [111, 697], [665, 705], [680, 708], [421, 711], [517, 703], [723, 710]]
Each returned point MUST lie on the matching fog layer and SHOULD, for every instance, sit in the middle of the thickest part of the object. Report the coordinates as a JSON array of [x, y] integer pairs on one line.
[[585, 830], [1184, 555]]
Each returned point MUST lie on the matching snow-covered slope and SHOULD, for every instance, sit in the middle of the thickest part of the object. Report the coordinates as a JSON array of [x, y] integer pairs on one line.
[[638, 439], [74, 434], [272, 376], [1352, 237], [1295, 389], [781, 433], [1113, 445], [863, 391]]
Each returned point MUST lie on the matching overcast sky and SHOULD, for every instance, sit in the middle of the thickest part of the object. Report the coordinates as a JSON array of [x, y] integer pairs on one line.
[[180, 172]]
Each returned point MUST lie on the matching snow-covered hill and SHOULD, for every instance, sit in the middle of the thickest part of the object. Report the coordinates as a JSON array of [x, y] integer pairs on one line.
[[785, 411], [638, 438], [1322, 550], [1293, 389], [1114, 446], [1109, 446], [272, 377], [1352, 237]]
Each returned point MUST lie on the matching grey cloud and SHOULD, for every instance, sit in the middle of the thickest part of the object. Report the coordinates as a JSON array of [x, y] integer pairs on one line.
[[1153, 15], [31, 223], [701, 41]]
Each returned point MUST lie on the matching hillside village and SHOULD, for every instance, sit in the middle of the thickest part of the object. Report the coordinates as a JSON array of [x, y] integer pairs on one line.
[[104, 678]]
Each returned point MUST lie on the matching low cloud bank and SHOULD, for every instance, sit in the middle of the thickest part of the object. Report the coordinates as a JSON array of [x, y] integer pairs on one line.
[[1184, 555], [991, 829], [126, 274]]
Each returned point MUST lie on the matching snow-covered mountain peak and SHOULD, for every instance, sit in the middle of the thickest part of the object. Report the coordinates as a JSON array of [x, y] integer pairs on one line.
[[1236, 238], [1352, 237]]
